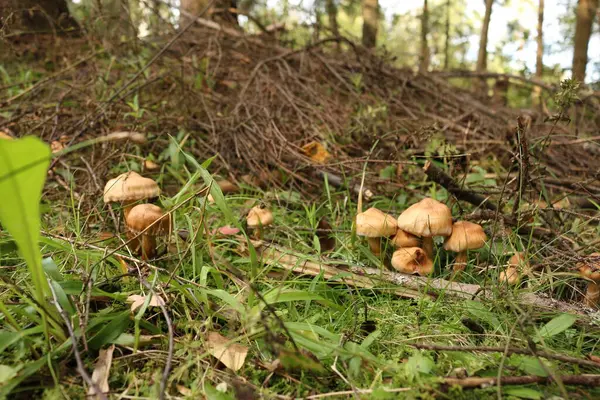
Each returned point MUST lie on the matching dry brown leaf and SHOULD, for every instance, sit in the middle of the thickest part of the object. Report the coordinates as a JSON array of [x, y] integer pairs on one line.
[[232, 355], [5, 135], [184, 391], [102, 372], [316, 152], [137, 300], [150, 165], [56, 146], [135, 137]]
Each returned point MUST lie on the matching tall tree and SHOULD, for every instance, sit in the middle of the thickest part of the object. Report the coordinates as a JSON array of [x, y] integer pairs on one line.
[[424, 59], [586, 9], [539, 59], [36, 15], [331, 9], [447, 36], [483, 40], [370, 13], [220, 11]]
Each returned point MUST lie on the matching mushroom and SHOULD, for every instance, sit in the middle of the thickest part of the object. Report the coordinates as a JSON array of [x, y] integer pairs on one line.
[[518, 265], [149, 221], [465, 236], [426, 219], [590, 269], [411, 260], [375, 224], [404, 239], [510, 275], [259, 217], [128, 188]]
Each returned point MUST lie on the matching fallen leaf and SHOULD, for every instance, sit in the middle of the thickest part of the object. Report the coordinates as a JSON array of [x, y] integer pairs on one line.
[[102, 371], [232, 355], [316, 152], [137, 300], [184, 391], [150, 165], [4, 135], [56, 146]]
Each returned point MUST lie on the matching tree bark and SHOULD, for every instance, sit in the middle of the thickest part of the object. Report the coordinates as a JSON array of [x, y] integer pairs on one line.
[[447, 37], [220, 11], [424, 64], [483, 39], [586, 9], [370, 12], [36, 15], [539, 59], [331, 9]]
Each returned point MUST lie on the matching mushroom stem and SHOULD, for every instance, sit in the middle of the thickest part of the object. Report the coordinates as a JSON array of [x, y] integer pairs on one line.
[[592, 295], [460, 263], [133, 242], [375, 245], [148, 247], [428, 247]]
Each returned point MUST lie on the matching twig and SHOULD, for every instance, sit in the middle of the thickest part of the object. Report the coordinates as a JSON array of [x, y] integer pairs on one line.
[[509, 351], [80, 367], [476, 382]]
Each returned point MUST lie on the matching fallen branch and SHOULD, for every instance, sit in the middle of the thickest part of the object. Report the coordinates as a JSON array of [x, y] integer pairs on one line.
[[509, 351], [409, 285], [475, 382], [435, 174]]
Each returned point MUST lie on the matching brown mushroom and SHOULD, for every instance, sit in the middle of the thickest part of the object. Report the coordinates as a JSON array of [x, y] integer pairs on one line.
[[426, 219], [148, 221], [518, 265], [465, 236], [412, 260], [510, 276], [128, 188], [590, 269], [258, 218], [375, 224], [404, 239]]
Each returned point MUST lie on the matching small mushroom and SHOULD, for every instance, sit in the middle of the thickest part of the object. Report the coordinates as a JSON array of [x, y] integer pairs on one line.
[[128, 188], [426, 219], [149, 221], [258, 218], [510, 276], [465, 236], [411, 260], [404, 239], [375, 224], [518, 265], [590, 269]]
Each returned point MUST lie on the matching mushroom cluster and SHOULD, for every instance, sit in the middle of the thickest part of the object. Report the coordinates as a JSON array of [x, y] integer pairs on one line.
[[590, 269], [413, 232]]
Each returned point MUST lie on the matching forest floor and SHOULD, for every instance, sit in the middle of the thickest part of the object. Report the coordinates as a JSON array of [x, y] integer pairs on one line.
[[309, 310]]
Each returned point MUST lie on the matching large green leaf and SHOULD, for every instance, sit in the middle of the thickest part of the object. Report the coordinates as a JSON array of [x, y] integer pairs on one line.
[[23, 167]]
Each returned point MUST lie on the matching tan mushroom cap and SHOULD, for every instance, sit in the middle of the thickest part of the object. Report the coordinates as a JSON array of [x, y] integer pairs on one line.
[[427, 218], [144, 215], [130, 186], [591, 268], [375, 223], [259, 216], [405, 239], [465, 236], [510, 276], [412, 260]]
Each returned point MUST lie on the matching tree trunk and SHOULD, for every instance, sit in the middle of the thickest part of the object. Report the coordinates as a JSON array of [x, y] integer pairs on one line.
[[220, 11], [370, 12], [447, 38], [424, 64], [586, 9], [331, 9], [539, 59], [36, 15], [483, 39]]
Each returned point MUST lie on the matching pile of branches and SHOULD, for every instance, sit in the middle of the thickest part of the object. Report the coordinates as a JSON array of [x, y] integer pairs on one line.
[[256, 104]]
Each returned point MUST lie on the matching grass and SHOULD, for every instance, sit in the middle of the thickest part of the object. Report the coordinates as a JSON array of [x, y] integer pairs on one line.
[[346, 337]]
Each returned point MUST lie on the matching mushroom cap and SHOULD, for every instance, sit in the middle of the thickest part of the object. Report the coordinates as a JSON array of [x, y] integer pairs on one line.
[[259, 216], [130, 186], [465, 236], [590, 268], [375, 223], [411, 260], [427, 218], [143, 215], [227, 187], [405, 239], [510, 275]]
